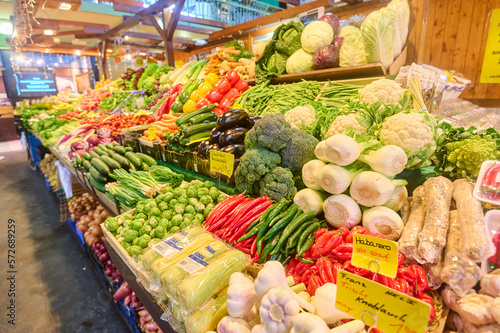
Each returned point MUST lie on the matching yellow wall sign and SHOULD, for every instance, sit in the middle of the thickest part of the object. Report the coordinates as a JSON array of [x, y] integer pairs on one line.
[[491, 63], [221, 162], [372, 253], [395, 312]]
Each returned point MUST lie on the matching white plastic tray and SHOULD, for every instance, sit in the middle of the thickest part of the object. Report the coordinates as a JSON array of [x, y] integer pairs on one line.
[[477, 188]]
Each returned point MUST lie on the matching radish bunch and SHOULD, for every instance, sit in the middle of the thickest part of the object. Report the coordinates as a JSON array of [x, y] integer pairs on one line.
[[102, 255], [128, 296], [147, 323]]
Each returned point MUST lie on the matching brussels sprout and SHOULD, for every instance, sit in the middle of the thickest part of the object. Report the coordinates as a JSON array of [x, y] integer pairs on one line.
[[179, 192], [189, 209], [188, 216], [213, 193], [125, 244], [206, 200], [137, 224], [208, 184], [176, 220], [160, 231], [130, 235], [167, 189], [191, 193], [174, 229], [183, 200], [153, 222], [155, 212], [168, 214], [134, 249], [163, 206], [193, 201], [201, 192], [141, 216], [179, 209]]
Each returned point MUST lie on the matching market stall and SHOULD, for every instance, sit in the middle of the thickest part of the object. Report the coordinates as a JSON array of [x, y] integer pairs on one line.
[[312, 183]]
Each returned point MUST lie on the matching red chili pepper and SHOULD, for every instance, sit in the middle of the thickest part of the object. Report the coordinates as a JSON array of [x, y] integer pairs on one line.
[[222, 208], [232, 77], [323, 274], [375, 234], [355, 230], [241, 230], [429, 300], [222, 86], [305, 276], [244, 249], [421, 281], [363, 272], [408, 273], [314, 283], [334, 259], [335, 268], [214, 95], [331, 244], [347, 266], [302, 267], [315, 251], [342, 232], [329, 269], [320, 233], [219, 232], [402, 286], [253, 249], [344, 251], [243, 209], [401, 259], [236, 210], [290, 268], [387, 281], [242, 86], [296, 278]]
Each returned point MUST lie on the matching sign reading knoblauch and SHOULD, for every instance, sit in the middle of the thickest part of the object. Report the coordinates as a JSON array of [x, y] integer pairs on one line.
[[375, 254], [375, 304]]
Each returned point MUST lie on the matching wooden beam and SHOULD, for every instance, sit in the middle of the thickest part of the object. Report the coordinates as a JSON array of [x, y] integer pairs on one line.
[[103, 46], [196, 20], [45, 24], [185, 27], [156, 24], [135, 19], [69, 33], [170, 25], [269, 19], [143, 35], [86, 36], [290, 2], [126, 8], [92, 30]]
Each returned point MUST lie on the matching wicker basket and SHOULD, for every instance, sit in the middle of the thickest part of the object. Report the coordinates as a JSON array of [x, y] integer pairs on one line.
[[438, 324], [253, 269]]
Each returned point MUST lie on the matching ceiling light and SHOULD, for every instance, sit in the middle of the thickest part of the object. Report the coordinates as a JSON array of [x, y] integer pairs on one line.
[[47, 50], [65, 6], [48, 32], [128, 57], [56, 64], [6, 28], [39, 61], [127, 37], [77, 52]]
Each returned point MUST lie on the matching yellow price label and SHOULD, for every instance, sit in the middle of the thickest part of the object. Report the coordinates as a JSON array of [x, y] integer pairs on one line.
[[490, 72], [237, 106], [375, 254], [221, 162], [140, 113], [152, 132], [369, 301]]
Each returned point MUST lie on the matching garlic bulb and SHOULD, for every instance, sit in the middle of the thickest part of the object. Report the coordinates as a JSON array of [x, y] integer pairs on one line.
[[490, 283], [475, 309]]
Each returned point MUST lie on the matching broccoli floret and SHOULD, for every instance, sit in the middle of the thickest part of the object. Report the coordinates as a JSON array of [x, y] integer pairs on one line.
[[254, 164], [271, 132], [277, 184], [298, 150]]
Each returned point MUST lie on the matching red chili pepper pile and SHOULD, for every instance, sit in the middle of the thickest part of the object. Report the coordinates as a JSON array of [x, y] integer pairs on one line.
[[231, 217], [332, 250], [117, 122], [169, 99]]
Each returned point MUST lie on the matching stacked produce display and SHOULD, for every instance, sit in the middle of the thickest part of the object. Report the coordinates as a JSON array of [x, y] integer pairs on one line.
[[315, 165]]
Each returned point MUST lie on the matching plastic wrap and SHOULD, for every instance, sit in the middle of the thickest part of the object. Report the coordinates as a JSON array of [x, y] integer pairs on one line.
[[207, 318], [432, 238], [406, 210], [408, 242], [433, 273], [172, 278], [476, 239], [204, 284], [459, 272]]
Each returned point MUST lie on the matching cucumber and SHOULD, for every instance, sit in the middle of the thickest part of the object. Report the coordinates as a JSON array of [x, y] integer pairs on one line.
[[120, 150], [147, 159], [86, 164], [94, 154], [129, 149], [97, 175], [111, 163], [116, 143], [98, 186], [124, 163], [100, 166], [193, 129], [204, 117], [100, 151], [101, 146], [186, 117], [78, 159], [132, 157], [86, 156]]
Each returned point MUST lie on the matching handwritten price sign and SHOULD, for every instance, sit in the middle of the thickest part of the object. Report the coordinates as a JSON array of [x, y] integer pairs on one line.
[[221, 162], [375, 254], [366, 300]]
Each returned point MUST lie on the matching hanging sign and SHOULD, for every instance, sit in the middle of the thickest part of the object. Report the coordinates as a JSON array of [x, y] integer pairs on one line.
[[375, 254], [491, 63], [221, 162]]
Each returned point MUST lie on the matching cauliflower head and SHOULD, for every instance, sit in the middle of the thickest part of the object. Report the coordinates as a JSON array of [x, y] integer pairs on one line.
[[277, 184], [414, 132], [298, 150], [301, 116], [384, 90], [271, 132], [341, 123]]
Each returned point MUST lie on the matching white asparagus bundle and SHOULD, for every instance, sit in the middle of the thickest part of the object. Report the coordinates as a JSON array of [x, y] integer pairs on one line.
[[432, 239], [477, 241]]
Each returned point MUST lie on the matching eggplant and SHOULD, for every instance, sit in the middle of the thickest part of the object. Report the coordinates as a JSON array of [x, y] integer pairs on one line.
[[232, 136], [214, 135], [237, 149], [232, 118], [203, 148], [212, 146], [250, 121]]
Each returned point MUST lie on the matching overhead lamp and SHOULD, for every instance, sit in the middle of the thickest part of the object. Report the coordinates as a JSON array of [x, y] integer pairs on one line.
[[128, 56], [65, 6], [78, 52], [48, 32], [127, 37], [6, 28], [47, 50]]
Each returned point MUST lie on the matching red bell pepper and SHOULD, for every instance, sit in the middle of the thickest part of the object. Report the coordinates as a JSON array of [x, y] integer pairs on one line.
[[242, 86], [203, 102], [214, 95], [232, 77], [218, 111], [344, 251], [223, 86]]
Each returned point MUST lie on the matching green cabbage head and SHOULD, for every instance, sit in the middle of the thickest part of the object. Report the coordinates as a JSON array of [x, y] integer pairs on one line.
[[352, 52], [300, 61]]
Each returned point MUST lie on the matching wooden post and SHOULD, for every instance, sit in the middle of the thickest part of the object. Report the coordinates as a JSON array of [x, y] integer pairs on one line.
[[170, 26], [103, 48]]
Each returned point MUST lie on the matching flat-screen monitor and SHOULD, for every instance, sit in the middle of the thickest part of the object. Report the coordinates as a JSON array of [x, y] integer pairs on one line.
[[30, 84]]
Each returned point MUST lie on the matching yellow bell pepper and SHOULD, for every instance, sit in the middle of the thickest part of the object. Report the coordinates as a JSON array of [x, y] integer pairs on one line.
[[189, 106], [212, 78], [205, 87], [196, 95]]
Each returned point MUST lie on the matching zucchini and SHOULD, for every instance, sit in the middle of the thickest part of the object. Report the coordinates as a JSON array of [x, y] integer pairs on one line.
[[186, 117], [97, 175], [116, 143], [100, 166], [94, 154], [147, 159], [193, 129], [98, 186], [111, 163], [101, 146], [132, 157], [197, 137], [120, 150], [125, 164], [204, 117], [100, 151], [86, 164], [86, 156], [129, 149]]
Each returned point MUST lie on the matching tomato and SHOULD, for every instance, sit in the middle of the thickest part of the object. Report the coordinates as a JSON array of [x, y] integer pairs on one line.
[[232, 76], [223, 86]]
